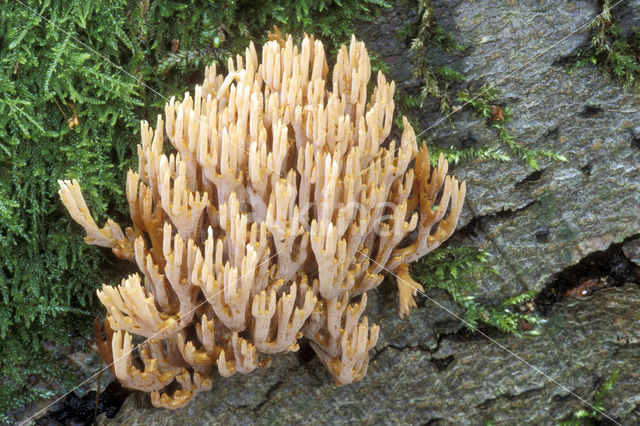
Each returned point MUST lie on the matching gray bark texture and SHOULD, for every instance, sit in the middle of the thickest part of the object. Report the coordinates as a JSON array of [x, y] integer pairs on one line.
[[427, 369]]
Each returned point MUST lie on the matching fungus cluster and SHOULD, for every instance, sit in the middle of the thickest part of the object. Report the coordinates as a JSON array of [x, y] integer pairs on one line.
[[283, 205]]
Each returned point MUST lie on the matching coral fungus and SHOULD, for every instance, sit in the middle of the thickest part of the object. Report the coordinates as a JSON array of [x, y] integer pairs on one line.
[[283, 203]]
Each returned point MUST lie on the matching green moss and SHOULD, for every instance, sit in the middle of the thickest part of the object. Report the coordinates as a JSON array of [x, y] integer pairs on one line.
[[457, 271], [435, 81], [440, 82], [609, 50], [110, 63], [591, 415], [486, 98]]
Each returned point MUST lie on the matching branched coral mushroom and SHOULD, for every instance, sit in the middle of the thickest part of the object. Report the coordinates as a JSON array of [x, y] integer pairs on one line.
[[283, 203]]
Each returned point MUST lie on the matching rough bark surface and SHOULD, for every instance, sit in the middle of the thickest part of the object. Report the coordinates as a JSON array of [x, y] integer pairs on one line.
[[423, 374], [583, 205], [426, 369]]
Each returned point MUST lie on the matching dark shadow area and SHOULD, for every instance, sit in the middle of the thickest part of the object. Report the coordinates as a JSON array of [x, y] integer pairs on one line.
[[599, 270], [75, 410]]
